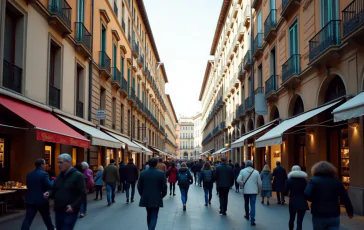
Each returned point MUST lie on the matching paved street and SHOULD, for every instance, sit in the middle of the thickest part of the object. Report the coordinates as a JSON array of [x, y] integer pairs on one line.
[[171, 217]]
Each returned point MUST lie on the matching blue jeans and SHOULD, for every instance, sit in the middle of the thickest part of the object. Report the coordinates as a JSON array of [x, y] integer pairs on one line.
[[208, 194], [32, 211], [332, 223], [152, 216], [66, 221], [184, 192], [127, 189], [83, 208], [110, 192], [252, 198], [199, 178]]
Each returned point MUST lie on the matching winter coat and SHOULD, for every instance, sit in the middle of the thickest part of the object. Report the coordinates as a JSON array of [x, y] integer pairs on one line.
[[131, 173], [266, 177], [111, 174], [89, 178], [224, 176], [197, 167], [98, 178], [122, 172], [208, 178], [295, 187], [280, 177], [190, 179], [253, 184], [236, 172], [172, 178], [324, 192]]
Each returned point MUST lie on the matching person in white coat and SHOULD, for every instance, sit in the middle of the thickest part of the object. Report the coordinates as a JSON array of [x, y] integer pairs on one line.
[[251, 183]]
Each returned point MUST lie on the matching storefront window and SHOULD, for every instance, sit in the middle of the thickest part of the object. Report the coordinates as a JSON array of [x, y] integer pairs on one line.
[[74, 156], [344, 158], [48, 154], [2, 157], [109, 156]]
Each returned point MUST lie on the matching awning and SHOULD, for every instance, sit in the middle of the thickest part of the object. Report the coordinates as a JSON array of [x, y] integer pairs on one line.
[[350, 109], [158, 151], [145, 150], [274, 136], [218, 152], [225, 150], [240, 142], [98, 137], [204, 153], [131, 145], [48, 127]]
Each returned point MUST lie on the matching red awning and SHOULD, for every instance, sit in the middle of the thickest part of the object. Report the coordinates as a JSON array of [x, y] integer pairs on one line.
[[48, 127]]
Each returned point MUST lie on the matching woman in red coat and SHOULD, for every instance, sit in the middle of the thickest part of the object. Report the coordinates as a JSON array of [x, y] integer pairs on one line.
[[172, 178]]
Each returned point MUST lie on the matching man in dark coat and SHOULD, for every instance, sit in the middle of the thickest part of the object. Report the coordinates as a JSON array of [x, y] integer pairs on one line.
[[131, 176], [279, 182], [196, 168], [38, 183], [121, 186], [224, 181], [152, 187]]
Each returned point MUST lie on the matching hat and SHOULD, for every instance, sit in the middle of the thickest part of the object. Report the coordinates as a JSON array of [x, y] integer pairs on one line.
[[223, 159]]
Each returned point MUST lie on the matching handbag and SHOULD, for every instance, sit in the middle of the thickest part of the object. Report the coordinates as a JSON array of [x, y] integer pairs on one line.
[[247, 179]]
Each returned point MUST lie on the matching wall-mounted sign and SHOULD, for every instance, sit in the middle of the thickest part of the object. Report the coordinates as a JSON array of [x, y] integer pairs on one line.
[[100, 115]]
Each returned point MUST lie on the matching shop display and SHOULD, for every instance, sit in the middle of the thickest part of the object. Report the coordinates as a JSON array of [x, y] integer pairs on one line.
[[344, 159], [2, 153]]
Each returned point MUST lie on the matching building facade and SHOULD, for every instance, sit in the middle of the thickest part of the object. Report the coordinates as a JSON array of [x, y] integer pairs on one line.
[[171, 124], [197, 136], [186, 148], [306, 60]]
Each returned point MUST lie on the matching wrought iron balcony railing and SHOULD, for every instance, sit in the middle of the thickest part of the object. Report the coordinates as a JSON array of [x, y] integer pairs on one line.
[[115, 74], [83, 35], [270, 23], [79, 109], [353, 16], [54, 97], [271, 85], [62, 9], [105, 61], [247, 59], [12, 77], [291, 67], [258, 42]]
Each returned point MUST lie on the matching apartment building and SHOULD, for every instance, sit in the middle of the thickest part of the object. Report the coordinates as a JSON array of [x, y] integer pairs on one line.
[[186, 138], [171, 124], [197, 135]]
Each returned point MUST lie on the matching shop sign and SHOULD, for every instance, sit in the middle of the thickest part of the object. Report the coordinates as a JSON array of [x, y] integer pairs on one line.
[[57, 138], [100, 115]]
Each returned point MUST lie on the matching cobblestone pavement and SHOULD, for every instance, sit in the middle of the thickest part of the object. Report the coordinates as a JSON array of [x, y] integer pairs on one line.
[[197, 217]]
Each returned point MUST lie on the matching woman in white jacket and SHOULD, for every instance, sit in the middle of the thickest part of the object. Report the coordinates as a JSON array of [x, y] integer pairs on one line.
[[249, 180]]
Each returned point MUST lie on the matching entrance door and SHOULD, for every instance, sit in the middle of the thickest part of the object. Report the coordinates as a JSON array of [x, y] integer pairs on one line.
[[300, 155], [4, 160]]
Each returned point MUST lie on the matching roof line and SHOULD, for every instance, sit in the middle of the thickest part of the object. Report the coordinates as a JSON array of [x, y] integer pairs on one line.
[[170, 102], [207, 73]]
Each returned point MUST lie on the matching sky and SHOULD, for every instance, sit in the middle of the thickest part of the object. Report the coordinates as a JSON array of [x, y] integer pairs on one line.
[[183, 31]]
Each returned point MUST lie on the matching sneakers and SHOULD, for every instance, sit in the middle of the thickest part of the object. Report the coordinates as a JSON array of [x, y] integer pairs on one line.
[[253, 224], [246, 217], [206, 204], [82, 215], [220, 212], [224, 213]]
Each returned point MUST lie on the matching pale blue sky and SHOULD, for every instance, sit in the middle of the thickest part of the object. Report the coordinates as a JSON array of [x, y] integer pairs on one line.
[[183, 31]]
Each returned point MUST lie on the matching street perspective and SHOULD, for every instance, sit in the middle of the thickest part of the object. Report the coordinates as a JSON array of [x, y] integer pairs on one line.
[[182, 115]]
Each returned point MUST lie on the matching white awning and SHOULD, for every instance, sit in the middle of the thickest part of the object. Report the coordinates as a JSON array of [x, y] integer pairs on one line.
[[98, 137], [146, 151], [158, 151], [218, 152], [274, 136], [131, 146], [204, 153], [240, 142], [350, 109], [225, 150]]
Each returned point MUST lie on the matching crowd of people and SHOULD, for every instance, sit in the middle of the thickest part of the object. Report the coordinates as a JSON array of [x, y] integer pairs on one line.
[[69, 189]]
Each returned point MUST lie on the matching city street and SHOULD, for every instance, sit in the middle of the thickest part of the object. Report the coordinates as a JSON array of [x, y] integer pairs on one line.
[[171, 217]]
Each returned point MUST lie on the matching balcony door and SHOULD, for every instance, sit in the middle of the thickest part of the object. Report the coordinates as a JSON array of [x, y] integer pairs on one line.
[[259, 22], [81, 11], [329, 11], [114, 55], [103, 44], [273, 7], [293, 40]]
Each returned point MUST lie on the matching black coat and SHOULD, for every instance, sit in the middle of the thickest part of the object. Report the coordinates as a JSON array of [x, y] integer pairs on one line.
[[295, 187], [324, 193], [224, 176], [152, 188], [130, 173], [197, 167], [236, 172], [122, 172], [38, 183], [280, 178], [208, 184]]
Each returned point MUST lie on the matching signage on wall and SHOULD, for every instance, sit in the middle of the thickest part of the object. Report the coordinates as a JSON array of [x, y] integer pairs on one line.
[[100, 115]]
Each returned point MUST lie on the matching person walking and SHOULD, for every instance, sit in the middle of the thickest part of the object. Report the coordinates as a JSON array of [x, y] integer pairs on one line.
[[207, 178], [295, 187], [131, 176], [251, 183], [161, 166], [152, 188], [184, 179], [178, 165], [68, 193], [111, 177], [197, 168], [37, 183], [236, 172], [99, 182], [121, 186], [279, 182], [172, 178], [326, 192], [231, 164], [89, 180], [266, 177], [224, 181]]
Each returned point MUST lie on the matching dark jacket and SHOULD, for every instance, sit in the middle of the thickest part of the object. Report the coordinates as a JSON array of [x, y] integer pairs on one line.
[[37, 183], [231, 165], [208, 178], [111, 174], [69, 189], [122, 172], [324, 193], [190, 179], [295, 187], [236, 172], [131, 173], [280, 178], [197, 167], [224, 176], [152, 188]]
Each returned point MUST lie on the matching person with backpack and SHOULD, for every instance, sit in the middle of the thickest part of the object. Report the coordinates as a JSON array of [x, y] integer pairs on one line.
[[172, 178], [207, 178], [184, 179]]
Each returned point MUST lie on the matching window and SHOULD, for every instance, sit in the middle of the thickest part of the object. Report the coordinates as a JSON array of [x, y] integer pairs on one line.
[[273, 61], [115, 8], [260, 76], [329, 11], [54, 75], [122, 66], [114, 55], [122, 118], [293, 39], [259, 23], [114, 113], [128, 119], [138, 90], [102, 102], [128, 78], [138, 129], [80, 91], [133, 127], [80, 10]]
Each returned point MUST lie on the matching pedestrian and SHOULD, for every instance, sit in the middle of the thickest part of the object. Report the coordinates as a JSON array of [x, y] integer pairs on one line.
[[99, 182], [231, 164], [184, 179], [295, 187], [279, 182], [37, 183], [242, 165], [68, 192], [178, 165], [89, 180], [152, 188], [131, 176], [224, 181], [111, 177], [122, 177], [266, 177], [146, 166], [197, 168], [251, 183], [326, 192], [172, 178], [161, 166], [207, 178], [236, 172]]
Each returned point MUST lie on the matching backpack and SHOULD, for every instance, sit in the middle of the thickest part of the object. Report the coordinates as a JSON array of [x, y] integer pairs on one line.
[[182, 178], [207, 175]]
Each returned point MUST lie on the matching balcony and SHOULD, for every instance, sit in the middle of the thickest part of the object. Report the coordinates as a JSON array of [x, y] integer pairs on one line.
[[139, 104], [145, 71], [54, 97], [249, 104], [79, 109], [222, 126], [247, 60], [131, 94], [256, 4], [83, 39], [105, 68], [289, 7], [241, 110], [353, 21], [241, 72], [123, 24], [325, 45], [60, 16], [140, 60], [135, 50], [123, 86], [115, 78], [291, 71], [271, 87], [247, 13], [270, 26], [258, 45], [12, 77]]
